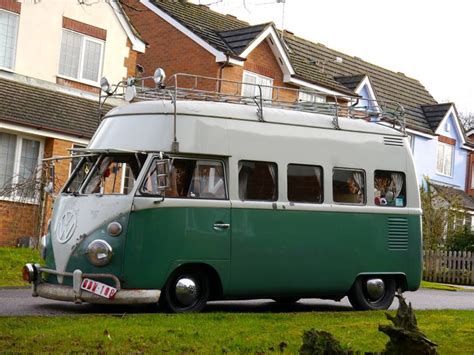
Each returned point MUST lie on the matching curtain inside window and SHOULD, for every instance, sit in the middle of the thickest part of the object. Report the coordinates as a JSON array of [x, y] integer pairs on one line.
[[7, 158], [359, 180], [397, 180]]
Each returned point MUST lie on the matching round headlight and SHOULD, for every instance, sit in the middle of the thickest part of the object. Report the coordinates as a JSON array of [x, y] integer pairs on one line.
[[114, 229], [99, 252]]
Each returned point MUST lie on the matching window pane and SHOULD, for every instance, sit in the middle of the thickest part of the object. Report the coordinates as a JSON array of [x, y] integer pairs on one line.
[[70, 54], [267, 90], [448, 154], [258, 181], [28, 167], [305, 183], [92, 52], [390, 188], [8, 34], [348, 186], [440, 157], [249, 90], [7, 158], [129, 180], [208, 181]]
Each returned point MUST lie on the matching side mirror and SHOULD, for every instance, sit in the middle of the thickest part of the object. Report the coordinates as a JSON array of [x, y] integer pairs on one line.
[[162, 174]]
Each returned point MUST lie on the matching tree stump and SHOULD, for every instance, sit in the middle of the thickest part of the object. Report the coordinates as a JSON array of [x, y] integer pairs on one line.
[[405, 337]]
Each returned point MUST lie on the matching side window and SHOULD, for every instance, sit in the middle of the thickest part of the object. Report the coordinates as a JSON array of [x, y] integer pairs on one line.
[[258, 181], [191, 178], [348, 186], [305, 183], [389, 188]]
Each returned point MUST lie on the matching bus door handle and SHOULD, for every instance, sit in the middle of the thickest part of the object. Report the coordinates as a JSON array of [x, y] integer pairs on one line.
[[219, 226]]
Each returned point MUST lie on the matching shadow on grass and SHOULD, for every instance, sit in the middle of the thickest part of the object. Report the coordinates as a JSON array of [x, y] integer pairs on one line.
[[255, 306]]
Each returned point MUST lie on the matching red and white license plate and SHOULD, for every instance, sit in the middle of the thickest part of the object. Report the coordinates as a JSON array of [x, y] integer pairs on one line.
[[98, 288]]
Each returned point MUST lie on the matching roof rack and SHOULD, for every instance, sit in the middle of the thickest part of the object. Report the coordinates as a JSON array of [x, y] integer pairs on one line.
[[182, 86]]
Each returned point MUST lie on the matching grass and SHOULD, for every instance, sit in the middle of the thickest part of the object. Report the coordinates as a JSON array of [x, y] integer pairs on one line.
[[11, 263], [212, 333], [442, 287]]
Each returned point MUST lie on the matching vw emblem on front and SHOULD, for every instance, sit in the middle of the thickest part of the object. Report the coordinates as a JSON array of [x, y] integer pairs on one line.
[[66, 227]]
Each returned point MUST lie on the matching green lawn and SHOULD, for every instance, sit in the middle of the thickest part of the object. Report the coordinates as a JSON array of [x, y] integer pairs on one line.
[[221, 332], [11, 263]]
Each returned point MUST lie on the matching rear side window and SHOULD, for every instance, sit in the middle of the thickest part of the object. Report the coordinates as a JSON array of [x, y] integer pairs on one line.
[[348, 186], [305, 183], [190, 178], [390, 188], [258, 181]]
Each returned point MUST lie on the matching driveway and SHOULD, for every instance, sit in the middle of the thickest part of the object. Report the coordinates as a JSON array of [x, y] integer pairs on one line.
[[18, 302]]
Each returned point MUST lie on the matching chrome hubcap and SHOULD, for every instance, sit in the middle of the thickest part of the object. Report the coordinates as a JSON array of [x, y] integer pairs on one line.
[[186, 291], [375, 289]]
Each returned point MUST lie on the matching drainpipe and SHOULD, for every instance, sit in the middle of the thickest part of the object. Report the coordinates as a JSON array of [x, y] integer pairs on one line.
[[221, 69]]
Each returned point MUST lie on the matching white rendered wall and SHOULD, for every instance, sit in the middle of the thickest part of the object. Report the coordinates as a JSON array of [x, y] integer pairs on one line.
[[40, 31]]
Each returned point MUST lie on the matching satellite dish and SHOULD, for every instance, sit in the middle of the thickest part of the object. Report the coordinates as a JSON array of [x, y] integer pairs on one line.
[[130, 93]]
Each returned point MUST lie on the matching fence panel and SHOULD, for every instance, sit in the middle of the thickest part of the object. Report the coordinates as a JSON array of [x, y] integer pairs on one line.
[[455, 267]]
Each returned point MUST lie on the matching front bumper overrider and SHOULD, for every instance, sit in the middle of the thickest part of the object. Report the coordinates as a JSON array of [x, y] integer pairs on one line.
[[75, 294]]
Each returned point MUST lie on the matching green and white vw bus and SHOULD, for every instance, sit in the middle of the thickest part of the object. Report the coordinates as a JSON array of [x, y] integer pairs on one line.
[[179, 200]]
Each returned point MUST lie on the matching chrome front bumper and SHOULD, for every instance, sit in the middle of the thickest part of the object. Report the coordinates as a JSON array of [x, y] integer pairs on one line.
[[77, 295]]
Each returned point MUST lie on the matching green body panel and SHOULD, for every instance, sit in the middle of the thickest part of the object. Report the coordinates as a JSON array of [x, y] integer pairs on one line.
[[315, 253], [161, 239], [269, 252], [79, 258]]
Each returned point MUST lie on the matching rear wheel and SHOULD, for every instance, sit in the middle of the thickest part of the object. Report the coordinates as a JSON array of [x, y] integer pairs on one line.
[[186, 291], [372, 293]]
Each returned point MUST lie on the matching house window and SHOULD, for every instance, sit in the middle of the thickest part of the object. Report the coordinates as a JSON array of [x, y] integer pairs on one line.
[[444, 163], [81, 57], [8, 36], [255, 80], [310, 97], [348, 186], [19, 158], [258, 181]]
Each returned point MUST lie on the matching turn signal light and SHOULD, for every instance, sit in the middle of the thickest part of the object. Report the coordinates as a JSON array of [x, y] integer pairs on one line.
[[29, 273]]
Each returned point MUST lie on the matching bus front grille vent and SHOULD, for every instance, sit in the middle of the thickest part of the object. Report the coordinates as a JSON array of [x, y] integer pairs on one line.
[[397, 233], [394, 141]]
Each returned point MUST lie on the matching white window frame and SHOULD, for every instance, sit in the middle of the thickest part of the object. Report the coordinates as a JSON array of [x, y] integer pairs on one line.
[[16, 166], [312, 97], [258, 78], [12, 69], [81, 59], [443, 169]]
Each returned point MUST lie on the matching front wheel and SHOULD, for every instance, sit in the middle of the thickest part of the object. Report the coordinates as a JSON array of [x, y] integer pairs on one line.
[[372, 293], [185, 292]]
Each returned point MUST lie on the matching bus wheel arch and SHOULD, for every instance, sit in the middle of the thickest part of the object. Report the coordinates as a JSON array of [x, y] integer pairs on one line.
[[374, 292], [189, 287]]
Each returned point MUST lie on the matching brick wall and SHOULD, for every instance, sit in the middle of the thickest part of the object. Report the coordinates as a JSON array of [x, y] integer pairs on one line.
[[10, 5], [130, 62], [55, 147], [169, 48], [260, 61]]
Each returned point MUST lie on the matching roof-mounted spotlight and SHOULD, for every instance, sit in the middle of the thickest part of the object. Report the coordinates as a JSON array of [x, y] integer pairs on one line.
[[105, 86], [159, 77]]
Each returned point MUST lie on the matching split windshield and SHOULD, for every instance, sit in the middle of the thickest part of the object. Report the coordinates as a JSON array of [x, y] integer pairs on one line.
[[104, 174]]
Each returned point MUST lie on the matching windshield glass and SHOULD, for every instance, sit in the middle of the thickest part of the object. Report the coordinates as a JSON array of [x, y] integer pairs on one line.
[[105, 174]]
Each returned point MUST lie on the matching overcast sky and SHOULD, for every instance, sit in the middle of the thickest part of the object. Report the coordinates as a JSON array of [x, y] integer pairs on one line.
[[430, 40]]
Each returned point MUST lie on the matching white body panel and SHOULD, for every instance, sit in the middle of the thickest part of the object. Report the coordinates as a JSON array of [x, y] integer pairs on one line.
[[221, 129]]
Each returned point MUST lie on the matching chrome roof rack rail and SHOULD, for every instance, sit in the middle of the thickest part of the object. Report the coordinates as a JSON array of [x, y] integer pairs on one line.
[[182, 86]]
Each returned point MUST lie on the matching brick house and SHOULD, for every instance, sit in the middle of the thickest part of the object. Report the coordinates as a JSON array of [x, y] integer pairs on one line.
[[52, 56], [189, 38]]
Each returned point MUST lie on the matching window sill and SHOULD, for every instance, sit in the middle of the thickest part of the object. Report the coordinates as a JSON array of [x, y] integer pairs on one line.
[[23, 201], [444, 175], [8, 70], [80, 81]]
